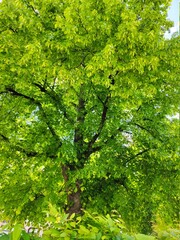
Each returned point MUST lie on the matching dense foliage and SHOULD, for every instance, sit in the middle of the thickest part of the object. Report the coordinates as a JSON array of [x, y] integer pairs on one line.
[[87, 92], [89, 226]]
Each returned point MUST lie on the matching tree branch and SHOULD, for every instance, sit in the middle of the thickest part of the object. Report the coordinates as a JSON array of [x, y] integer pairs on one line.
[[111, 77], [147, 130], [138, 154], [4, 137], [143, 128], [15, 93], [92, 149], [18, 94], [27, 153], [18, 148], [31, 7], [78, 132], [115, 134], [55, 98], [102, 122]]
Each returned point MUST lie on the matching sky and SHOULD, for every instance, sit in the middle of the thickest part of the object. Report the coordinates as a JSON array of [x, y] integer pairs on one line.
[[173, 15]]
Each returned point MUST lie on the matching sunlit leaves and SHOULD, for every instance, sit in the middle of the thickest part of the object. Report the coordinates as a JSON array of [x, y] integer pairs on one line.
[[88, 85]]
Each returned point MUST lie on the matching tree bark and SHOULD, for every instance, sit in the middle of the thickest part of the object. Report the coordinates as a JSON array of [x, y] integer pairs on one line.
[[74, 200], [73, 195]]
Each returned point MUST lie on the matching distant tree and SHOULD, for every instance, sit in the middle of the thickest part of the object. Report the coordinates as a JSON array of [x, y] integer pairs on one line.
[[86, 91]]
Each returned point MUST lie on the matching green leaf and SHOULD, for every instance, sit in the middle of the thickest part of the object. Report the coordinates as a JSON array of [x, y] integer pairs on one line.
[[4, 237], [25, 236], [16, 233], [144, 237]]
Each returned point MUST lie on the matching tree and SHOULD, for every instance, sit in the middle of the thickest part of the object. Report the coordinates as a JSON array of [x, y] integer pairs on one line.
[[86, 88]]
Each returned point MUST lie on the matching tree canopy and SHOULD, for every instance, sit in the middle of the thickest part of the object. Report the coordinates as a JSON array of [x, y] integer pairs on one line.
[[88, 90]]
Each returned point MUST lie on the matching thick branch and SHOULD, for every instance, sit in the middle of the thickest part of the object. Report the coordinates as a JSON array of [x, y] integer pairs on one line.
[[92, 149], [27, 153], [78, 134], [4, 137], [19, 148], [55, 98], [34, 101], [111, 77], [102, 123], [15, 93]]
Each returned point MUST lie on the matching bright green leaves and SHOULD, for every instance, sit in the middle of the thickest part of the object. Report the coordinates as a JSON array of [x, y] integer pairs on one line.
[[88, 85], [16, 234], [90, 226]]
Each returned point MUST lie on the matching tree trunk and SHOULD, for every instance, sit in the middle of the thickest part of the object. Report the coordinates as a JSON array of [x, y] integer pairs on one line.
[[73, 195], [74, 192], [74, 200]]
